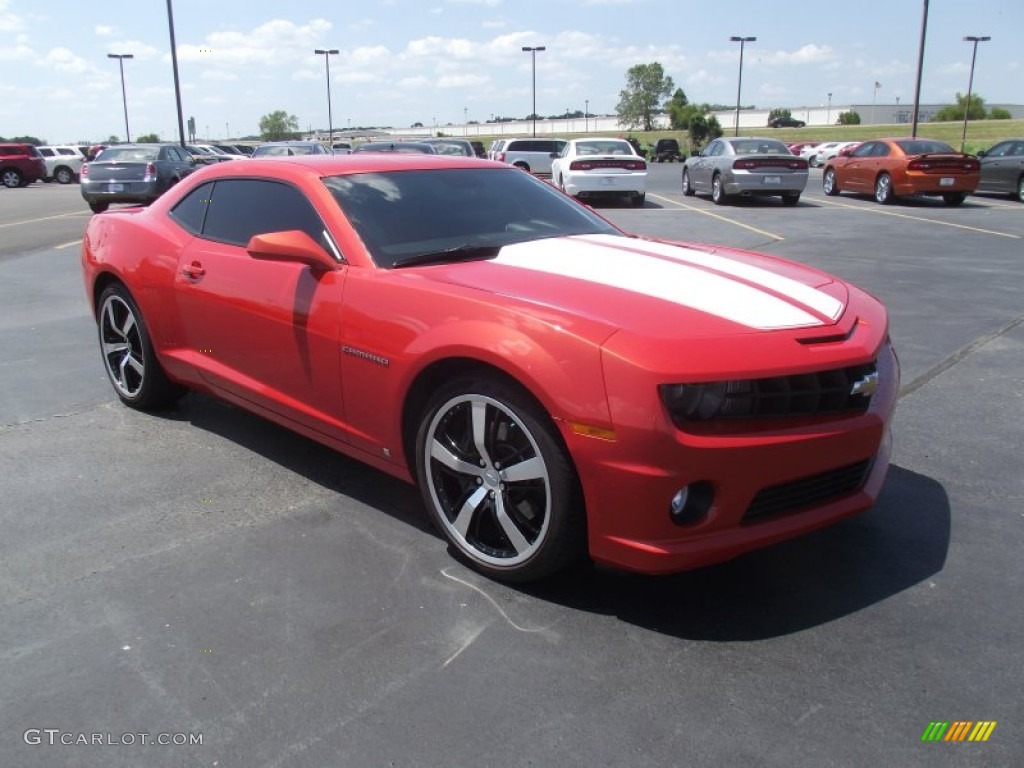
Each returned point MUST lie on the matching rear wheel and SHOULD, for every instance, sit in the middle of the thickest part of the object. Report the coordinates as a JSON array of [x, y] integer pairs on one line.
[[128, 355], [522, 166], [883, 189], [1020, 189], [688, 189], [64, 175], [718, 195], [638, 199], [11, 178], [954, 198], [497, 481], [828, 183], [99, 207], [791, 198]]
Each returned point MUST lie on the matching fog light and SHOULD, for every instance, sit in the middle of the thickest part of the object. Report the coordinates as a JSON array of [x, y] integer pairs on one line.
[[691, 503]]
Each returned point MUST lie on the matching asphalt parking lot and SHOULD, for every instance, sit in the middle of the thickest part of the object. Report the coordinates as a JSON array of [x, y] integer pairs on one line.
[[201, 571]]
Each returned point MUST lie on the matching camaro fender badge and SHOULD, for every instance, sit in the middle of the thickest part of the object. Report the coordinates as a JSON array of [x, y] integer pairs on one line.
[[366, 356], [866, 385]]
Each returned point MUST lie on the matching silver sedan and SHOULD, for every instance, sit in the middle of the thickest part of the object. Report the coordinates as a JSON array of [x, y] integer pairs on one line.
[[745, 167], [1002, 169]]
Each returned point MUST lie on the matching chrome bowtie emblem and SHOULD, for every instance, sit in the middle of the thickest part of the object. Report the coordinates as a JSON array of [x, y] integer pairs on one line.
[[866, 385]]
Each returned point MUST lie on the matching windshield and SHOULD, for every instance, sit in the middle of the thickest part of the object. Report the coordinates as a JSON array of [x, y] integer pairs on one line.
[[129, 154], [405, 215]]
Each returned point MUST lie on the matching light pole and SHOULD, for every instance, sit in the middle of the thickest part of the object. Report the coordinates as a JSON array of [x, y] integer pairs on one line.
[[533, 57], [874, 97], [586, 116], [739, 83], [124, 96], [465, 121], [970, 82], [828, 115], [920, 69], [327, 53], [174, 68]]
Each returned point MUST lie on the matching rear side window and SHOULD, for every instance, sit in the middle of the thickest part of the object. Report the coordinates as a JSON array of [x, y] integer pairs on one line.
[[191, 210], [241, 208]]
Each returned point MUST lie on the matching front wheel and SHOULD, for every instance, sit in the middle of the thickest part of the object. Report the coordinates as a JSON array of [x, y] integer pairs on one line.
[[688, 189], [64, 175], [828, 183], [1020, 190], [954, 198], [497, 481], [883, 189], [128, 355]]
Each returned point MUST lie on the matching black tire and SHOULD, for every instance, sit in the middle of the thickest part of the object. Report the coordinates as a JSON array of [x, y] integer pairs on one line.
[[98, 207], [522, 166], [954, 198], [828, 183], [791, 198], [688, 189], [1019, 195], [127, 352], [64, 175], [638, 199], [11, 178], [514, 522], [718, 196], [883, 189]]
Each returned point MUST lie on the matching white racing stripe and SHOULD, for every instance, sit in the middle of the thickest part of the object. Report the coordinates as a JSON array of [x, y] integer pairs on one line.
[[675, 274]]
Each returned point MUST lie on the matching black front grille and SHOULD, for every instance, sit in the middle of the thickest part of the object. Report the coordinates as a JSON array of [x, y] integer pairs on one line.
[[837, 391], [808, 491]]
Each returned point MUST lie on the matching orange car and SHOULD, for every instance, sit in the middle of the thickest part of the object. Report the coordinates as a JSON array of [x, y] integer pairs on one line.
[[891, 168]]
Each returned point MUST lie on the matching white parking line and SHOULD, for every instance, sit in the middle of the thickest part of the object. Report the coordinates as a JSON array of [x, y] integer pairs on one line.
[[67, 245], [726, 219], [880, 212], [46, 218]]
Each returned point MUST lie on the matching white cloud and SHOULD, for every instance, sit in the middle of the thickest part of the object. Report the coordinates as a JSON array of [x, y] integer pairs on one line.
[[103, 30], [9, 22], [64, 60], [271, 43], [487, 3]]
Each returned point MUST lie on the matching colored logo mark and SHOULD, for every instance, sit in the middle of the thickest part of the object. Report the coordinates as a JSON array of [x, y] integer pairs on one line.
[[958, 730]]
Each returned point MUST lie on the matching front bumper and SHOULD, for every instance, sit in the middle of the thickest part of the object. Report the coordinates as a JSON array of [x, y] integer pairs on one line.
[[629, 483]]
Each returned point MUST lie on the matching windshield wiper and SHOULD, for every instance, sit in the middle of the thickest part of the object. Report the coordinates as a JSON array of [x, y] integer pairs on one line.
[[458, 253]]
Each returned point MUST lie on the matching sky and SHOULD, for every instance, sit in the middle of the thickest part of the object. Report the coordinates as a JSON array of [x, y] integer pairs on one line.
[[445, 61]]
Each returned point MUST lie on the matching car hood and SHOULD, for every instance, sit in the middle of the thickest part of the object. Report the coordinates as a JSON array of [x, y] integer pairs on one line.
[[656, 288]]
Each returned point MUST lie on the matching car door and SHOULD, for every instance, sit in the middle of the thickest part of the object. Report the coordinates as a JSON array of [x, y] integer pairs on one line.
[[700, 176], [262, 330], [856, 173], [1000, 169]]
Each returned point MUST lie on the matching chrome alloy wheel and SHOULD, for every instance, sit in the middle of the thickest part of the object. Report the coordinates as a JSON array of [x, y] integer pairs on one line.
[[488, 480], [122, 346]]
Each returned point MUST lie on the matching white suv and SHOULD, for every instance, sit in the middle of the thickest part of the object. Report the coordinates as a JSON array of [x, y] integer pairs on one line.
[[533, 155], [62, 163]]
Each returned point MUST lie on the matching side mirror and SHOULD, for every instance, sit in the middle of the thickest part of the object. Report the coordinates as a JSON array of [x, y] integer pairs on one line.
[[981, 152], [291, 245], [845, 152]]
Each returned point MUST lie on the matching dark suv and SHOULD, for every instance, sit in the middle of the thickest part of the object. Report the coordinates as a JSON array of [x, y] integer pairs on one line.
[[666, 151], [20, 165]]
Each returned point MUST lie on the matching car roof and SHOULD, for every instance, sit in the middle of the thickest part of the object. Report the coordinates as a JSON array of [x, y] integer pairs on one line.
[[338, 165]]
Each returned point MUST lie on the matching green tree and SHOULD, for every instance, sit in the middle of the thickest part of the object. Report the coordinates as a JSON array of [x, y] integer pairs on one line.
[[698, 129], [23, 140], [647, 87], [998, 113], [849, 118], [148, 138], [714, 127], [279, 125], [112, 139], [956, 111]]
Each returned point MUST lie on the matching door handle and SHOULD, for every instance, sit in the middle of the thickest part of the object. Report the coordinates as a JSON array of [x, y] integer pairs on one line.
[[194, 270]]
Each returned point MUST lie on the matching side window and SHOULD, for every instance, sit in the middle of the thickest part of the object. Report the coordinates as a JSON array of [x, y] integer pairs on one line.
[[1001, 150], [241, 208], [45, 152], [716, 149], [191, 211], [865, 150], [881, 150]]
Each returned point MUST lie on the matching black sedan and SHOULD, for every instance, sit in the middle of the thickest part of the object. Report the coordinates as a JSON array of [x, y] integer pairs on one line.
[[133, 173], [1002, 169]]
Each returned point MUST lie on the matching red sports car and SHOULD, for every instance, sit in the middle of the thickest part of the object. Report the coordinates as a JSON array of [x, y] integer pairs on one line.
[[554, 386], [891, 168]]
